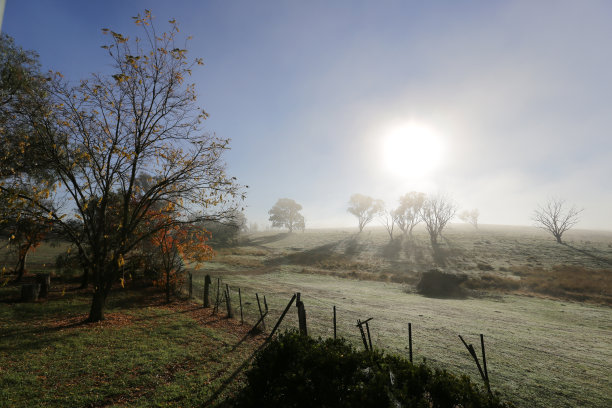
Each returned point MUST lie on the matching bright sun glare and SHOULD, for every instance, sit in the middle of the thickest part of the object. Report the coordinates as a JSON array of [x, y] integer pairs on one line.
[[412, 150]]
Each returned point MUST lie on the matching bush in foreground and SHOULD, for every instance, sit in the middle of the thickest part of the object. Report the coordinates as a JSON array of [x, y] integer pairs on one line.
[[299, 371]]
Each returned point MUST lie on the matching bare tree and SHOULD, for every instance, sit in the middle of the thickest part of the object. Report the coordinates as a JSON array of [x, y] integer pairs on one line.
[[365, 208], [286, 213], [389, 219], [470, 217], [436, 212], [409, 211], [554, 218]]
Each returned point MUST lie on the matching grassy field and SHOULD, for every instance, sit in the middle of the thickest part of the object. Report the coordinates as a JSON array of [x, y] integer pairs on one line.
[[543, 348], [145, 353]]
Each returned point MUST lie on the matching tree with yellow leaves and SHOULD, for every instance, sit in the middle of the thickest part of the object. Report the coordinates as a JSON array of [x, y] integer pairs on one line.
[[101, 136]]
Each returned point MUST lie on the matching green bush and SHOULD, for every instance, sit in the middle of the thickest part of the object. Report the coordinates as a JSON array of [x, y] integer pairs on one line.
[[299, 371]]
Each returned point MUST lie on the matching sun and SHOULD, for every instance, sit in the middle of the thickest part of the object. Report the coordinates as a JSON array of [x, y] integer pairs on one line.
[[412, 150]]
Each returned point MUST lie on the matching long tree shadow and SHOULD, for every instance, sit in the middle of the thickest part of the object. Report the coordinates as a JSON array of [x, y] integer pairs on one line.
[[268, 239], [309, 257], [391, 250], [598, 258]]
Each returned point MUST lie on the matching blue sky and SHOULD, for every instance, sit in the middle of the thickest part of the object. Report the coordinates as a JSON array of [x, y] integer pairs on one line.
[[517, 91]]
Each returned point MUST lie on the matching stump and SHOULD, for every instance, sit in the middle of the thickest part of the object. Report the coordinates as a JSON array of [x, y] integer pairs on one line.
[[29, 292], [44, 280]]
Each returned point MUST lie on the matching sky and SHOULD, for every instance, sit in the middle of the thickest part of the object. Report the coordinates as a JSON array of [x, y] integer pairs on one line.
[[515, 94]]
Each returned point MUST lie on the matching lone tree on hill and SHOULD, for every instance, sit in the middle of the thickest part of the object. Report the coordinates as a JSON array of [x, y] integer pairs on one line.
[[286, 214], [409, 211], [470, 216], [554, 218], [95, 140], [436, 212], [365, 208]]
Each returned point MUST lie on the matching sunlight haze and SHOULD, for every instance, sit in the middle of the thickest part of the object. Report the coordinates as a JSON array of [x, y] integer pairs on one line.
[[314, 95]]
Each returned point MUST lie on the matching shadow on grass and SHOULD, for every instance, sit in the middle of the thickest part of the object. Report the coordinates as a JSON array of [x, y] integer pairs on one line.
[[591, 255], [267, 239], [391, 250]]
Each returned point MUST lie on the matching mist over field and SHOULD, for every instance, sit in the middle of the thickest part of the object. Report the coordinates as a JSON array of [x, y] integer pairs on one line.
[[316, 203]]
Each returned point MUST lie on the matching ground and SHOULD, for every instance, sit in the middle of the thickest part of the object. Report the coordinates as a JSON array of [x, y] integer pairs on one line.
[[547, 337]]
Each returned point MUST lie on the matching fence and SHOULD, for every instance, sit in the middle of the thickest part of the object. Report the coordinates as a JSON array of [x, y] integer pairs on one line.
[[324, 319]]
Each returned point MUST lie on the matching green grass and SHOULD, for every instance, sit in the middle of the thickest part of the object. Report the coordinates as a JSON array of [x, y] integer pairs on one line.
[[145, 354]]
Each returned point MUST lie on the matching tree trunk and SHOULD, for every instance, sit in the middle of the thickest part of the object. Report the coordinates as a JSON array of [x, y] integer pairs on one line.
[[96, 313], [84, 278], [21, 263]]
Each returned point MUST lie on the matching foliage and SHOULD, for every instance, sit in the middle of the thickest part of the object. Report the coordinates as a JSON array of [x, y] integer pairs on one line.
[[175, 245], [286, 214], [365, 208], [102, 136], [409, 211], [23, 93], [554, 218], [437, 283], [299, 371]]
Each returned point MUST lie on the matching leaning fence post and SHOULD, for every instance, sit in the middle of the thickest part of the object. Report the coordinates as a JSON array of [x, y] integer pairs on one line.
[[484, 362], [472, 352], [240, 300], [368, 330], [363, 338], [207, 282], [334, 322], [228, 302], [410, 341], [280, 319], [263, 322]]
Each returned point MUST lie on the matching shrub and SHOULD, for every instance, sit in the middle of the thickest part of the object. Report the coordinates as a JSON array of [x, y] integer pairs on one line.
[[436, 283], [299, 371]]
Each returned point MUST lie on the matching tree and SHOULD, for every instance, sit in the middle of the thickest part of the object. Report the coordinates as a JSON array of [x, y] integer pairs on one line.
[[470, 217], [102, 134], [23, 89], [365, 208], [176, 245], [389, 219], [555, 218], [25, 234], [286, 214], [436, 212], [409, 211]]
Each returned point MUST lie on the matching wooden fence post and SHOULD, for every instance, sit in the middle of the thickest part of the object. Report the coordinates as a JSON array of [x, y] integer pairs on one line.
[[228, 302], [301, 316], [363, 338], [334, 322], [280, 319], [410, 341], [263, 322], [207, 282], [240, 300], [190, 285], [216, 309], [472, 352], [484, 362]]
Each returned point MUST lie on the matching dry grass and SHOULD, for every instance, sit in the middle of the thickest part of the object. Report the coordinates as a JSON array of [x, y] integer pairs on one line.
[[566, 282]]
